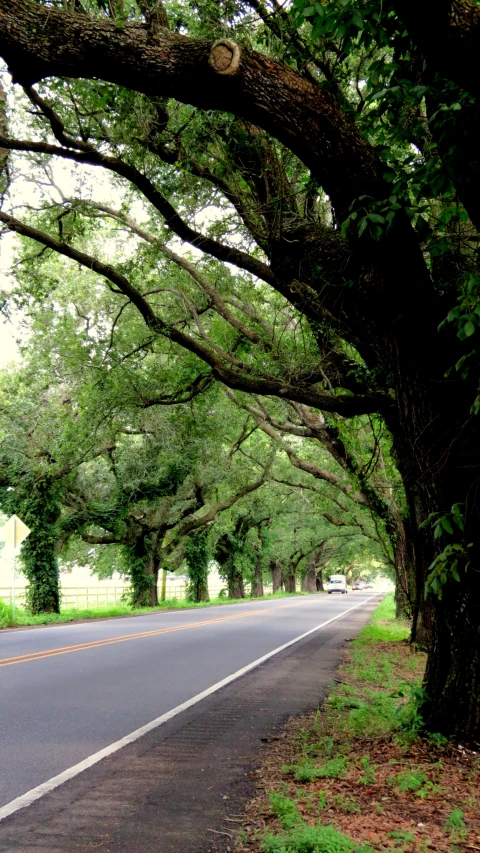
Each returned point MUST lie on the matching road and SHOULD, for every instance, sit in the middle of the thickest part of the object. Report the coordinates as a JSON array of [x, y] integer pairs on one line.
[[69, 691]]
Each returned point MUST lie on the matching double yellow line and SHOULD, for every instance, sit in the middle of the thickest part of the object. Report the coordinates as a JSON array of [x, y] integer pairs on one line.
[[95, 644]]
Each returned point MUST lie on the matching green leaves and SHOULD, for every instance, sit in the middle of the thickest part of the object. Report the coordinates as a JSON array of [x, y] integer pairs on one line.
[[454, 557], [372, 216], [466, 315]]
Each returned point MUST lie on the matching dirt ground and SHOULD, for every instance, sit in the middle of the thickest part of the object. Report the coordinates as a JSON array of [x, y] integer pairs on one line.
[[389, 790]]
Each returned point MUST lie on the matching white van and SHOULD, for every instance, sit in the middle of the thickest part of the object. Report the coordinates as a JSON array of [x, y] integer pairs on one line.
[[337, 583]]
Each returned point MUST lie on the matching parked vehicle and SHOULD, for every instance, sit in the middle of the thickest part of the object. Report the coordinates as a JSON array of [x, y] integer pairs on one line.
[[337, 583]]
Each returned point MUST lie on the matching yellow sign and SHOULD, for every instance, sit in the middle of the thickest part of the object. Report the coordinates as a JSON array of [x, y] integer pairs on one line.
[[14, 532]]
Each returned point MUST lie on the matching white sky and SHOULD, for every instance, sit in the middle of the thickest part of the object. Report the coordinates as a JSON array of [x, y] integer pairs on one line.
[[8, 330]]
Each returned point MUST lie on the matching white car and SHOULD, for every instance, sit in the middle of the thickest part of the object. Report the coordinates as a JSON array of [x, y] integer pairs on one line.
[[337, 583]]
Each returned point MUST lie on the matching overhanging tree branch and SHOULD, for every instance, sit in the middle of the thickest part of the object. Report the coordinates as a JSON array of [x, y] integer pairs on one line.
[[347, 405]]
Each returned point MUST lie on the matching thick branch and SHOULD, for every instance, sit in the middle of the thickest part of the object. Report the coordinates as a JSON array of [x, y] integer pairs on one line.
[[212, 513], [100, 540], [38, 41]]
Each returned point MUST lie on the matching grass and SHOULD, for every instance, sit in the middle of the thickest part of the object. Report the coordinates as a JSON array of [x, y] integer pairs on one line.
[[311, 839], [356, 776], [7, 619], [22, 617]]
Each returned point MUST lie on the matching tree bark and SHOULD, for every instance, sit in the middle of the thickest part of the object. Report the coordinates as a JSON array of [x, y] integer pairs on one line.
[[309, 583], [152, 569], [289, 579], [163, 593], [276, 576], [225, 550], [402, 609], [257, 581], [38, 41]]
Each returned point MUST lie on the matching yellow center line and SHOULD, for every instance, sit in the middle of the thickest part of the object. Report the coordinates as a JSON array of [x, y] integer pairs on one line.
[[93, 644]]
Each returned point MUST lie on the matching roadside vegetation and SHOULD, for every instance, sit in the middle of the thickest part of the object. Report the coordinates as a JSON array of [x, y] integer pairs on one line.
[[23, 617], [361, 774]]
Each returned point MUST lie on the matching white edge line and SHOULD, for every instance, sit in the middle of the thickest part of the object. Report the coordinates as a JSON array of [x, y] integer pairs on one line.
[[55, 782]]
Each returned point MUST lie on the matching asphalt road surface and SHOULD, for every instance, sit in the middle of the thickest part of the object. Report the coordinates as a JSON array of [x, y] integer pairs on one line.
[[68, 691]]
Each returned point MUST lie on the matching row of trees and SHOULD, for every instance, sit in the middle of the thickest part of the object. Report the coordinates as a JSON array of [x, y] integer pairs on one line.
[[107, 476], [322, 163]]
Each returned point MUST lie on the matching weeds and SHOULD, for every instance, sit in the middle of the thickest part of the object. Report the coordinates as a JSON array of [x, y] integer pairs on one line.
[[368, 775], [411, 780], [401, 838], [455, 826], [285, 810], [346, 805], [335, 768], [6, 615], [311, 839]]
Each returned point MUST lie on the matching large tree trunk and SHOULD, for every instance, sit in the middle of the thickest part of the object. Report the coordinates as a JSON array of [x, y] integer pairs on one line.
[[163, 593], [402, 610], [289, 579], [196, 556], [152, 569], [257, 583], [276, 576], [143, 565], [448, 618], [309, 580], [225, 557], [452, 679], [39, 551], [309, 583], [405, 586]]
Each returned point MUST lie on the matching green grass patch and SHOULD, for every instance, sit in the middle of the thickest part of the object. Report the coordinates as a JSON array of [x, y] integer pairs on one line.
[[383, 627], [6, 615], [71, 615], [311, 839], [306, 771]]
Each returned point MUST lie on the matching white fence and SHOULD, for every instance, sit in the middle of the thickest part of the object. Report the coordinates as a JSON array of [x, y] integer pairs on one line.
[[92, 597]]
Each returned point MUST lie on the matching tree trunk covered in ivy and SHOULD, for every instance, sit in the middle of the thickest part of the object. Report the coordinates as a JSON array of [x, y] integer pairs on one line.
[[142, 562], [40, 512], [197, 558], [226, 551]]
